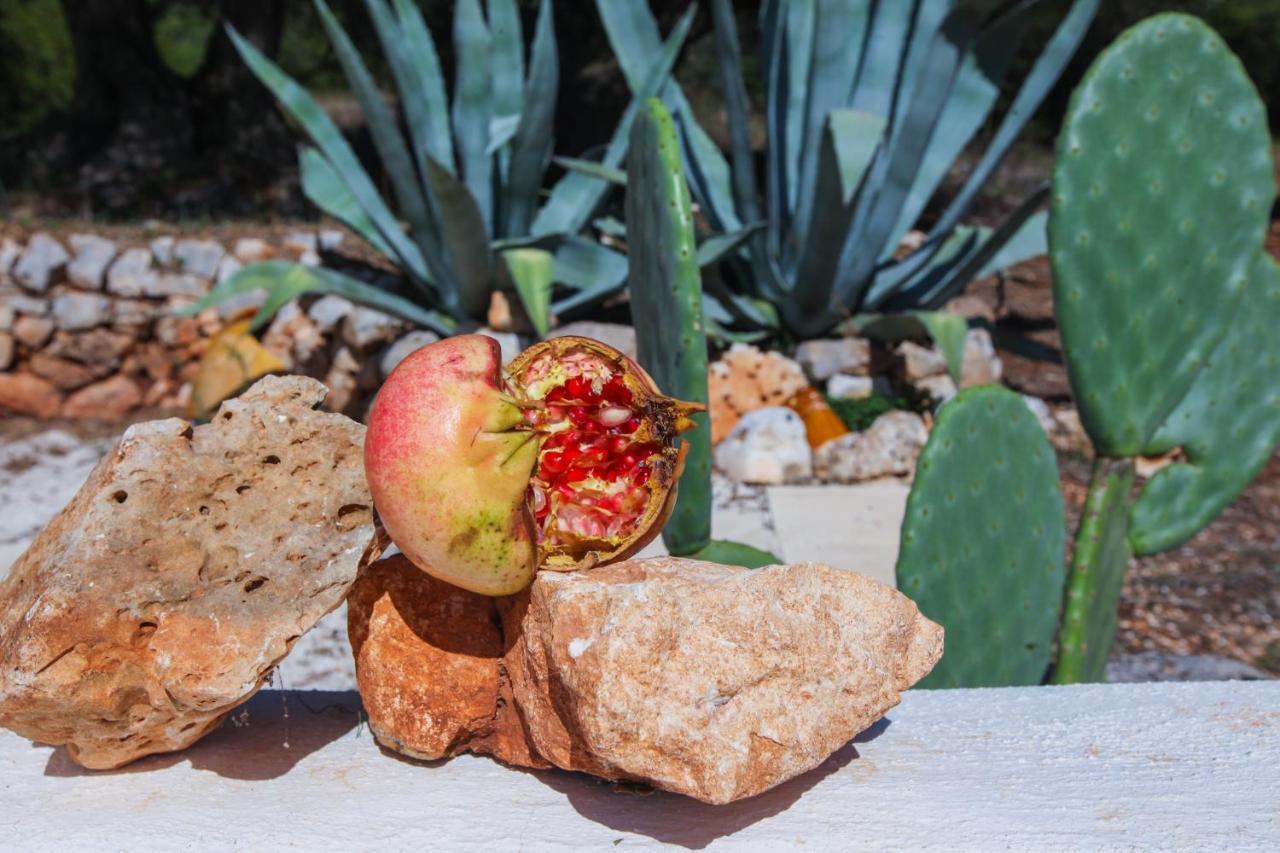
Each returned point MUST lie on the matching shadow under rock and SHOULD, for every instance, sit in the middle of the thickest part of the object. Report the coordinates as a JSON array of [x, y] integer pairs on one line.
[[683, 821], [262, 739]]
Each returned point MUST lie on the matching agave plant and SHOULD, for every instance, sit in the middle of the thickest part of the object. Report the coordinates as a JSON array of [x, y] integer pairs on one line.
[[868, 104], [465, 175]]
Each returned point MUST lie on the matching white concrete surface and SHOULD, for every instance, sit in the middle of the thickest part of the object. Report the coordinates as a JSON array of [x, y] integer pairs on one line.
[[1100, 767]]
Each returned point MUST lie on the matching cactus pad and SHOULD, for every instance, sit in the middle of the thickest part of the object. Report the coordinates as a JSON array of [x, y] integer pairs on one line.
[[1228, 425], [983, 541], [1162, 188], [666, 305]]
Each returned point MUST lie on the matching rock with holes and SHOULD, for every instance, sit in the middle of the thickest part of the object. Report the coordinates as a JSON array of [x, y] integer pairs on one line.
[[181, 573], [888, 448], [708, 680]]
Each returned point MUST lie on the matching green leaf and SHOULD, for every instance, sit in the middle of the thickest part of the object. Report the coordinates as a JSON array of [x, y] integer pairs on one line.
[[431, 126], [592, 169], [322, 184], [298, 102], [734, 554], [508, 59], [582, 263], [533, 140], [714, 249], [466, 241], [531, 273], [472, 100]]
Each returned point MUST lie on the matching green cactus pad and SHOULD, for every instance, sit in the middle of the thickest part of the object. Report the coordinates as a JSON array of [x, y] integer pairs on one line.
[[984, 539], [1097, 575], [666, 305], [1162, 188], [1228, 425]]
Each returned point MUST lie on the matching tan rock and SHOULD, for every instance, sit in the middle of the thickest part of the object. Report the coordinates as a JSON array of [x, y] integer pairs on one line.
[[889, 447], [7, 348], [63, 373], [182, 572], [712, 681], [108, 400], [95, 347], [745, 379], [428, 665], [981, 364], [34, 332], [26, 394]]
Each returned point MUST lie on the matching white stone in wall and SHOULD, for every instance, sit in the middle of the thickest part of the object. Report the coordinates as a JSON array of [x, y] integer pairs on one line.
[[131, 274], [1043, 413], [330, 239], [89, 266], [75, 311], [845, 387], [175, 284], [22, 303], [250, 249], [162, 250], [766, 446], [301, 242], [34, 332], [364, 327], [227, 267], [41, 263], [328, 311], [620, 337], [10, 249], [199, 257], [400, 350], [6, 316], [6, 350]]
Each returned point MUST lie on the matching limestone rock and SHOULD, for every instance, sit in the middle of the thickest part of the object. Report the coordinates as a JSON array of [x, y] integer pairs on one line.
[[921, 362], [400, 350], [301, 242], [7, 347], [26, 394], [10, 249], [89, 267], [23, 303], [182, 572], [64, 373], [199, 257], [7, 316], [40, 264], [74, 311], [174, 284], [745, 379], [131, 275], [250, 249], [364, 327], [616, 335], [94, 347], [823, 359], [428, 666], [844, 387], [766, 446], [941, 387], [108, 400], [34, 332], [889, 447], [981, 364], [328, 311], [162, 250], [227, 267], [330, 239]]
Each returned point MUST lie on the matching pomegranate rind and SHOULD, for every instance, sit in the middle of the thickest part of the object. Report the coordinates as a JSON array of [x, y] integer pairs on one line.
[[447, 471]]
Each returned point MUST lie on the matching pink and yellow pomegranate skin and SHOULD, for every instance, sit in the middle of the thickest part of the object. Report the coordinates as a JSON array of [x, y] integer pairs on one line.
[[448, 471]]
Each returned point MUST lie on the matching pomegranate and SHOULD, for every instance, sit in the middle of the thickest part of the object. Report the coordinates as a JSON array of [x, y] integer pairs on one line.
[[566, 460]]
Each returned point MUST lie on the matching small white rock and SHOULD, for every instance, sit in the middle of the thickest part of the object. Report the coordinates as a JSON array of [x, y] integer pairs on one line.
[[131, 275], [823, 359], [227, 267], [41, 263], [301, 242], [330, 239], [1043, 413], [981, 364], [250, 249], [10, 249], [364, 327], [162, 250], [845, 387], [942, 387], [6, 316], [329, 310], [174, 284], [616, 335], [74, 311], [309, 259], [6, 350], [88, 268], [889, 447], [401, 349], [766, 446], [199, 257], [921, 362]]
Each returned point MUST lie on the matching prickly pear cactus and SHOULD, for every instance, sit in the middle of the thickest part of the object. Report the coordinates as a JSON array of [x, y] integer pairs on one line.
[[983, 541], [666, 305], [1162, 189], [1227, 425]]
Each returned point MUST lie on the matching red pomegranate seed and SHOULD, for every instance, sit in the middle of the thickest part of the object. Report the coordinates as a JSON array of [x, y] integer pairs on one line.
[[556, 394], [578, 387], [618, 445], [630, 426]]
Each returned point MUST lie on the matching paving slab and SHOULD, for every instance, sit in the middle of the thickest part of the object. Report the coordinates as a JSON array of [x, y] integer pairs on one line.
[[1096, 767], [850, 527]]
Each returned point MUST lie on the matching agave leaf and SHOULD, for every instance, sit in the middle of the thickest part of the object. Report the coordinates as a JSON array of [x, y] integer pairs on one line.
[[466, 241], [533, 141], [502, 129], [888, 50], [575, 196], [408, 82], [322, 184], [714, 249], [472, 99], [921, 270], [391, 149], [793, 95], [585, 264], [508, 60], [298, 102], [592, 169], [738, 108], [431, 130], [531, 272]]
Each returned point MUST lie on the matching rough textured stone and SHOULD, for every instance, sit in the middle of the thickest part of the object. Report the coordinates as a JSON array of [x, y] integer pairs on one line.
[[132, 313], [341, 380], [162, 250], [108, 400], [174, 284], [7, 316], [824, 359], [32, 331], [921, 362], [41, 263], [198, 257], [428, 664], [89, 266], [64, 373], [182, 572], [328, 311], [745, 379], [250, 249], [889, 447], [25, 394], [10, 249], [23, 303], [981, 364], [7, 347], [365, 327], [94, 347], [941, 387], [766, 446], [616, 335], [227, 267], [75, 311], [330, 239], [400, 350], [131, 274], [845, 387]]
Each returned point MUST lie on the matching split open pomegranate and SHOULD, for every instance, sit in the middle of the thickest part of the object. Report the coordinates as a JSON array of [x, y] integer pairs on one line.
[[567, 460]]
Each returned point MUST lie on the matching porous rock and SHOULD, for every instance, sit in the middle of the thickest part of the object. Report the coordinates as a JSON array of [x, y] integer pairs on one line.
[[823, 359], [707, 680], [181, 573], [767, 446], [745, 379], [889, 447]]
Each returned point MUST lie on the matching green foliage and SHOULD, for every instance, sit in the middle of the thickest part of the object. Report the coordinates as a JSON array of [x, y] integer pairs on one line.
[[859, 415], [666, 305], [983, 541], [467, 172], [1162, 192], [734, 554], [37, 67], [868, 106], [182, 33]]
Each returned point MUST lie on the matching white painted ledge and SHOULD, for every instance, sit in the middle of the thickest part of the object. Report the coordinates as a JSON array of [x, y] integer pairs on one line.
[[1095, 767]]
